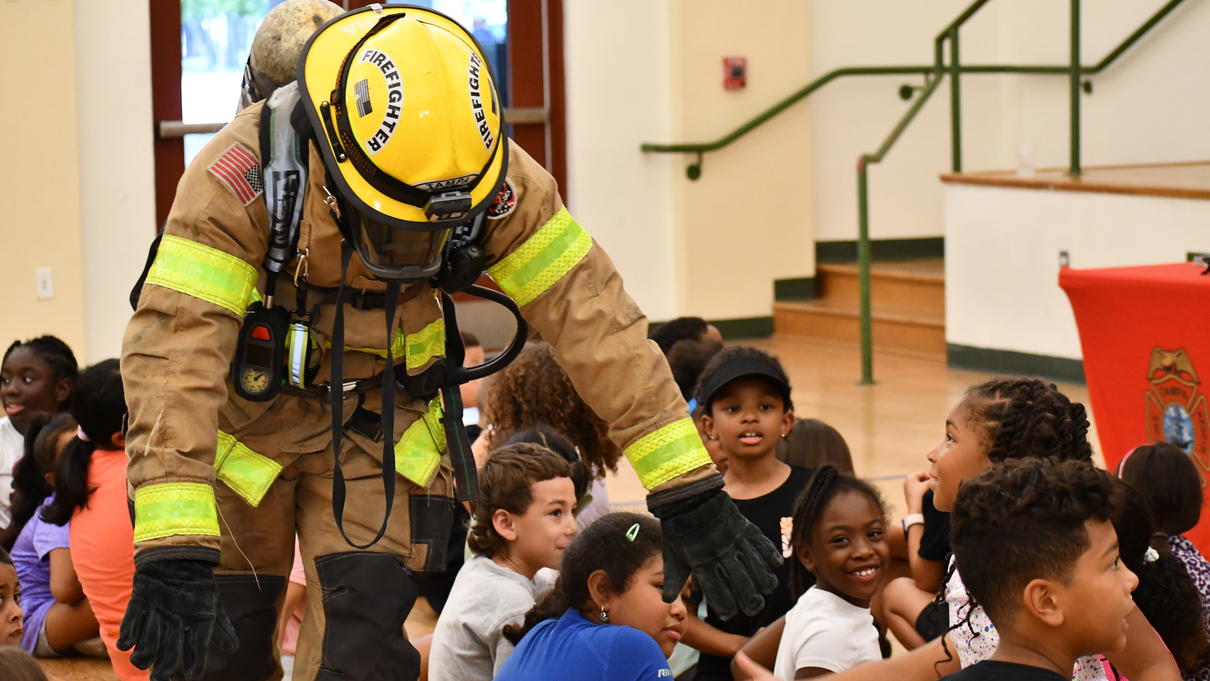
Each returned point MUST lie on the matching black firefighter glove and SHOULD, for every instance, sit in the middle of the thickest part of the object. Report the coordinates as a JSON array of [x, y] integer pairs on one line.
[[705, 534], [173, 613]]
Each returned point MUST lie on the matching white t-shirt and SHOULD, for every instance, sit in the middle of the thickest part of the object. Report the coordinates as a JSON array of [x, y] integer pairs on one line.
[[12, 446], [469, 641], [824, 630], [977, 639]]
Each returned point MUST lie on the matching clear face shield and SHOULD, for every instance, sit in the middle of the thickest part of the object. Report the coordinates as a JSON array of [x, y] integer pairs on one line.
[[412, 255], [404, 255]]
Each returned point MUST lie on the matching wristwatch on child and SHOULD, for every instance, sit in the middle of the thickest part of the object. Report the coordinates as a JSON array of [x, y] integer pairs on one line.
[[912, 519]]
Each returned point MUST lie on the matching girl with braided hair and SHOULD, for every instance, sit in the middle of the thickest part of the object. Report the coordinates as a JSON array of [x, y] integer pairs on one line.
[[839, 543], [1005, 420]]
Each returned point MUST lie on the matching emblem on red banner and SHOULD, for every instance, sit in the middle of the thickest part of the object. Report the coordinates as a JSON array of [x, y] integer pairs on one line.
[[1177, 411]]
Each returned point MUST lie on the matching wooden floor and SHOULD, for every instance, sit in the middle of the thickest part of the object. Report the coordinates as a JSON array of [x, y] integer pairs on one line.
[[1189, 180], [889, 426]]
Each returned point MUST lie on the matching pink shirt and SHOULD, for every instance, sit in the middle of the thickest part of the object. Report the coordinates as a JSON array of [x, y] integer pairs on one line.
[[102, 550]]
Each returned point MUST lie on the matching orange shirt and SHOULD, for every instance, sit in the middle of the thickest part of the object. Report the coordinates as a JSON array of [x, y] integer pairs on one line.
[[102, 550]]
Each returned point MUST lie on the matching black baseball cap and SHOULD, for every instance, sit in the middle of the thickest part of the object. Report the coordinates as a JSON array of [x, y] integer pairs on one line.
[[762, 366]]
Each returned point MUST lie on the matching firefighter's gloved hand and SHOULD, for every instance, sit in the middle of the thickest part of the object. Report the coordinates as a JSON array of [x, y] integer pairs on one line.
[[704, 533], [173, 613]]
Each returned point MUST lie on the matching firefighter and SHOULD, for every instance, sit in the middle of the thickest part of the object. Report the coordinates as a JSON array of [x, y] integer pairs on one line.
[[286, 367]]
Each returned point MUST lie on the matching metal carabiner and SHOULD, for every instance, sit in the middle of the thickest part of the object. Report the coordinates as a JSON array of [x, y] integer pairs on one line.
[[302, 269]]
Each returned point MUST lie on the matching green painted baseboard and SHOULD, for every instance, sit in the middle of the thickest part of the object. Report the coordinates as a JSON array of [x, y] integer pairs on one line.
[[881, 249], [746, 327], [734, 329], [1011, 362], [800, 288]]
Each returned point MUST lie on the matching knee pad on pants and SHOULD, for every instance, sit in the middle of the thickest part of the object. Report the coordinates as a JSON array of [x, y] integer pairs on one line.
[[366, 598], [251, 604]]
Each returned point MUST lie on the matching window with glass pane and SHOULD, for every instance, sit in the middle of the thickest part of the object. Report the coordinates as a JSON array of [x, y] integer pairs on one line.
[[216, 36]]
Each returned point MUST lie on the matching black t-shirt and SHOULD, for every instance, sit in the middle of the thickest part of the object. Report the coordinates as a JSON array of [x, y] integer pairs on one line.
[[935, 543], [992, 670], [766, 512]]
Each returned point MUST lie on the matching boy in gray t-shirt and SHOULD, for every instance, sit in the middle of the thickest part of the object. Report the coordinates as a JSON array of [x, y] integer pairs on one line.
[[522, 523]]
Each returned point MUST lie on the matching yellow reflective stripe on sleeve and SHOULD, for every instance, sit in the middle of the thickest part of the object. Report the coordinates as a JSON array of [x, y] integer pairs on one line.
[[543, 259], [248, 473], [426, 344], [418, 452], [665, 453], [205, 273], [174, 508]]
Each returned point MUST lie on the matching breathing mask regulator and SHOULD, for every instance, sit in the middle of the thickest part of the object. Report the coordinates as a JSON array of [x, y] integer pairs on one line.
[[403, 108]]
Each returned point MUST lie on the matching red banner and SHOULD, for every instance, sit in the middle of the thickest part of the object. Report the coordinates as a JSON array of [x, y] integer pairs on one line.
[[1145, 333]]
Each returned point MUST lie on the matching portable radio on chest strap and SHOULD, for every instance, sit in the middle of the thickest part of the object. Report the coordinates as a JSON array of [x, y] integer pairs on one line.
[[261, 367]]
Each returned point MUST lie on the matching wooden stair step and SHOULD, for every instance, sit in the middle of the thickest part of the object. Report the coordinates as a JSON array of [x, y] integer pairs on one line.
[[911, 283], [916, 329]]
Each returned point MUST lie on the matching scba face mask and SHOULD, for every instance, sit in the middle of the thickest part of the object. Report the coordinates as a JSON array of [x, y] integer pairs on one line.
[[405, 112], [404, 255]]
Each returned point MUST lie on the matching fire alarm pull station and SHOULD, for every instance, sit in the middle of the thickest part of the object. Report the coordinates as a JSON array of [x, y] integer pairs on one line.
[[735, 73]]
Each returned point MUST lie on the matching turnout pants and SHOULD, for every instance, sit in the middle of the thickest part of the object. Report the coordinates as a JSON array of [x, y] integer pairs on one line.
[[356, 600]]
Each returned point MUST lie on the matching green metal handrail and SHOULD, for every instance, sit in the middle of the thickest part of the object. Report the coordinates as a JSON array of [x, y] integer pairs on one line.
[[933, 75]]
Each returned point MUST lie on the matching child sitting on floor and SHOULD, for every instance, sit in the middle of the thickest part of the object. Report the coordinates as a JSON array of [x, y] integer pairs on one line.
[[91, 494], [523, 522], [745, 397], [36, 377], [10, 602], [606, 619], [58, 619], [1166, 595], [534, 390], [839, 541], [1169, 480], [1037, 550], [17, 665]]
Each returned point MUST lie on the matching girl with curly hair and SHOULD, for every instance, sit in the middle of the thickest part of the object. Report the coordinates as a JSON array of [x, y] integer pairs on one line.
[[535, 391]]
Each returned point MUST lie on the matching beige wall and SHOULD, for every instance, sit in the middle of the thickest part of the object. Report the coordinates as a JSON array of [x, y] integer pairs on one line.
[[116, 163], [616, 100], [40, 176], [711, 247], [80, 199], [746, 221]]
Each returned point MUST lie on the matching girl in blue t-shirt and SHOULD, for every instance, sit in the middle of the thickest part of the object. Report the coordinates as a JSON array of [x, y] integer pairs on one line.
[[606, 619]]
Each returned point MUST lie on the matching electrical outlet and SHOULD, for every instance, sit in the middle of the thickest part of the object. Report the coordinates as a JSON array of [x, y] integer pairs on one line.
[[44, 283]]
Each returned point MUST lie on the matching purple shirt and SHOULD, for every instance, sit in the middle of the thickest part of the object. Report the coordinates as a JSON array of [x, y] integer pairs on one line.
[[31, 554], [1199, 572]]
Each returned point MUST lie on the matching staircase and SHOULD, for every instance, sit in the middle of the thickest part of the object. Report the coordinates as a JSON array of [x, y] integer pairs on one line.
[[908, 307]]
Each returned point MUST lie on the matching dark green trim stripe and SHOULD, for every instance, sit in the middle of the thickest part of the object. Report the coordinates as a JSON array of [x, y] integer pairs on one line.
[[799, 288], [747, 327], [881, 249], [734, 329], [1012, 362]]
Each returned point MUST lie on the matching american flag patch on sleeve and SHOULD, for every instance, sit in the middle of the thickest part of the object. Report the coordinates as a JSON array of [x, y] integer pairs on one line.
[[239, 170]]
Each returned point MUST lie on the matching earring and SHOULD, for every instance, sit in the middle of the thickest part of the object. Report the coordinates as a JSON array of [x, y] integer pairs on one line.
[[604, 616], [712, 438]]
